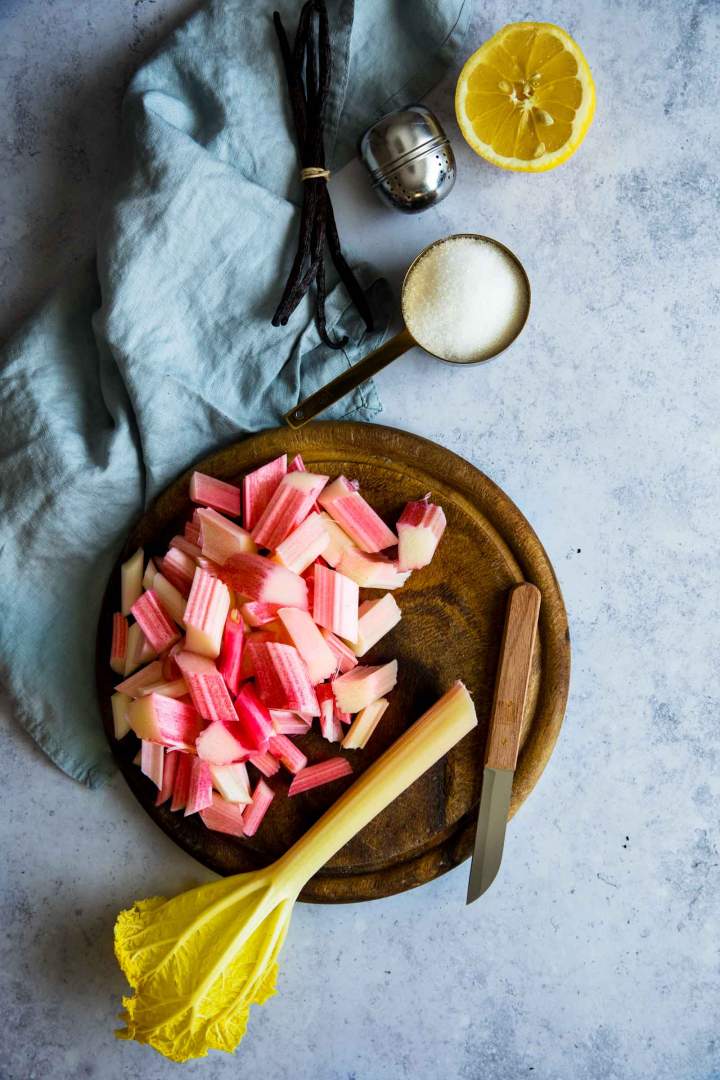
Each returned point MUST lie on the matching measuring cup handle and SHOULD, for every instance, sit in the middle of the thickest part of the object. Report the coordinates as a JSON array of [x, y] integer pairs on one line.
[[343, 384]]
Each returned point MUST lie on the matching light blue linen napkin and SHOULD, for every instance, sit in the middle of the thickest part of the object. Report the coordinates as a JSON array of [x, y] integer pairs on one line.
[[164, 350]]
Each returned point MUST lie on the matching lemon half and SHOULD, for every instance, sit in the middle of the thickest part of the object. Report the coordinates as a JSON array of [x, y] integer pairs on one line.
[[526, 98]]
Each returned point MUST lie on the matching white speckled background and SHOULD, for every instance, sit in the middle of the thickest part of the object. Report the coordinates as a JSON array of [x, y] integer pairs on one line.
[[595, 955]]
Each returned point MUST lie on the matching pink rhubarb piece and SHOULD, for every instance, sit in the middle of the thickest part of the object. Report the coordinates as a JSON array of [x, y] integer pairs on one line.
[[205, 614], [207, 687], [290, 504], [302, 547], [170, 766], [145, 677], [263, 795], [192, 533], [155, 623], [176, 688], [363, 685], [199, 788], [181, 784], [152, 759], [131, 576], [166, 721], [178, 568], [221, 539], [339, 540], [138, 650], [345, 658], [265, 763], [356, 517], [297, 464], [257, 614], [309, 642], [207, 491], [254, 719], [372, 571], [419, 530], [335, 603], [258, 486], [322, 773], [183, 544], [283, 678], [222, 816], [375, 619], [118, 647], [286, 722], [221, 744], [330, 728], [288, 753], [172, 600], [229, 662], [264, 581]]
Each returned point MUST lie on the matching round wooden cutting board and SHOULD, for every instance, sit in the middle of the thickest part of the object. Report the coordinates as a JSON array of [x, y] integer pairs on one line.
[[452, 623]]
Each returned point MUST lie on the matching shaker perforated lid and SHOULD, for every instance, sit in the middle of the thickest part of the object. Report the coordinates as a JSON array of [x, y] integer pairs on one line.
[[409, 158]]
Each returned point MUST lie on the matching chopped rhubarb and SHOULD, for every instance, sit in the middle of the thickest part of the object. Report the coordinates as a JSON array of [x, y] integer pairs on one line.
[[265, 763], [120, 703], [205, 614], [200, 791], [171, 598], [263, 795], [170, 670], [286, 722], [283, 678], [345, 658], [258, 486], [254, 719], [266, 582], [170, 767], [207, 491], [364, 724], [222, 816], [303, 545], [335, 603], [363, 685], [181, 784], [183, 544], [149, 575], [289, 505], [154, 621], [145, 677], [192, 532], [166, 721], [138, 650], [322, 773], [176, 688], [207, 687], [221, 744], [375, 619], [356, 517], [297, 464], [257, 614], [288, 753], [419, 530], [247, 670], [232, 782], [372, 571], [178, 568], [152, 759], [339, 540], [309, 642], [229, 662], [131, 575], [118, 647], [330, 728], [221, 539]]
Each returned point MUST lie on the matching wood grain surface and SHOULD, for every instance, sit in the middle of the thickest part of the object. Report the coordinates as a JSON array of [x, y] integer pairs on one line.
[[453, 617]]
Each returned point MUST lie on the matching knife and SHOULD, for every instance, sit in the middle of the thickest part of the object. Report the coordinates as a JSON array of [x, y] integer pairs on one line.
[[503, 740]]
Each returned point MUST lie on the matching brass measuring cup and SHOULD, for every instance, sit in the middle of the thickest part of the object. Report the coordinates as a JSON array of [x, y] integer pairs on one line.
[[390, 350]]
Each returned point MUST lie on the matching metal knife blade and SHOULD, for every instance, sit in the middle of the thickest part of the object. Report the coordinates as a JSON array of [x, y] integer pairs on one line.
[[490, 835], [504, 736]]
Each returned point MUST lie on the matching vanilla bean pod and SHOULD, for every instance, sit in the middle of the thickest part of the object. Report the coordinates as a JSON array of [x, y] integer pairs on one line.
[[308, 72]]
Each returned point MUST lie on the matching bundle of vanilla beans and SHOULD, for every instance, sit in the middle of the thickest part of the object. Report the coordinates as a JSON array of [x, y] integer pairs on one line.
[[308, 70]]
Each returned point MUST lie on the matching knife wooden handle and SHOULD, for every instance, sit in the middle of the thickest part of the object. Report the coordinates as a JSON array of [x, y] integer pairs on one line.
[[516, 652]]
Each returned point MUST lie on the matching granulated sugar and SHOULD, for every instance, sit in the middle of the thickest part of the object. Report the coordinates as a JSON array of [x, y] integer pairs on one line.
[[464, 300]]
